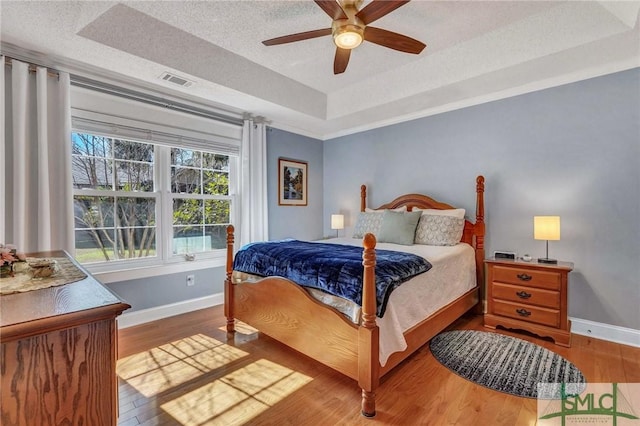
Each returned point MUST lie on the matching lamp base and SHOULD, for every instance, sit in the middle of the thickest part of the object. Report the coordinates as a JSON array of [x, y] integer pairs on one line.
[[547, 260]]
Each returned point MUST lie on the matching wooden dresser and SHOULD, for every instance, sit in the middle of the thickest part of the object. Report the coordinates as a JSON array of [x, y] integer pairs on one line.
[[529, 296], [58, 354]]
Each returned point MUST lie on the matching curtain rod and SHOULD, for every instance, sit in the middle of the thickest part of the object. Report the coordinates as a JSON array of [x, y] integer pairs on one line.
[[88, 83], [32, 67]]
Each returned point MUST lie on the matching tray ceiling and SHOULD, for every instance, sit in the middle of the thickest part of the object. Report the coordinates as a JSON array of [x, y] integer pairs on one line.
[[477, 51]]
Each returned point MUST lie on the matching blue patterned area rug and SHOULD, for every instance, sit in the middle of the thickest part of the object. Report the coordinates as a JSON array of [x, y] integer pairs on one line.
[[506, 364]]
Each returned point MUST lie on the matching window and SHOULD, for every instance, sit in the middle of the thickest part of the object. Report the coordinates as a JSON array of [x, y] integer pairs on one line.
[[138, 202], [200, 200]]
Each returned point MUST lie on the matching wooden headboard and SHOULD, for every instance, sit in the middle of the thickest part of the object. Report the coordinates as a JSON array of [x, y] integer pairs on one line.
[[473, 233]]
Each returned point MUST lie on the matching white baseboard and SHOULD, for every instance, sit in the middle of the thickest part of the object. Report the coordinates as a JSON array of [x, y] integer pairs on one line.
[[164, 311], [611, 333]]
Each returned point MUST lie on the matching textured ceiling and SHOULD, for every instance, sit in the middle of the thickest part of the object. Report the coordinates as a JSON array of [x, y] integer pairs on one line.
[[477, 51]]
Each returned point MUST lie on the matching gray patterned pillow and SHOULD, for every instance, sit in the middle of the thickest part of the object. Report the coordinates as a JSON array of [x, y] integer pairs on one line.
[[367, 222], [439, 230]]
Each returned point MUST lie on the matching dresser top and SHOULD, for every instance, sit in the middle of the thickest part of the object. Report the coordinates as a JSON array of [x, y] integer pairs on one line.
[[28, 311]]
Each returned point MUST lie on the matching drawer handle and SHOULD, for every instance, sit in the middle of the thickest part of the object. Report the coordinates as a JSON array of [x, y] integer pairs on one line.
[[523, 312], [523, 295], [524, 277]]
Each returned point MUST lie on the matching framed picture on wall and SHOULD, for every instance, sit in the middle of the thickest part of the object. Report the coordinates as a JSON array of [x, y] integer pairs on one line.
[[292, 182]]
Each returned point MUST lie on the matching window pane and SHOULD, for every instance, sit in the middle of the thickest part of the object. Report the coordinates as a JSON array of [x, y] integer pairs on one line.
[[216, 183], [91, 172], [134, 211], [217, 236], [185, 157], [93, 212], [185, 180], [216, 211], [136, 242], [94, 245], [189, 239], [129, 150], [187, 212], [134, 176], [90, 145], [215, 162]]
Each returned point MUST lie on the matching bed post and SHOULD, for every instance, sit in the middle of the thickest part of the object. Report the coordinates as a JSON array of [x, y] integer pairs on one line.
[[363, 198], [479, 232], [228, 285], [368, 332]]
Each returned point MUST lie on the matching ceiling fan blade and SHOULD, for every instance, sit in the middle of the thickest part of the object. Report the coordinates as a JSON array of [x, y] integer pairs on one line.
[[341, 60], [378, 8], [332, 8], [393, 40], [297, 37]]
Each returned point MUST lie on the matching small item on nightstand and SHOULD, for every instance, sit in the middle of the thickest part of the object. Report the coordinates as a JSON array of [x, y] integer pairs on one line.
[[504, 255], [526, 258]]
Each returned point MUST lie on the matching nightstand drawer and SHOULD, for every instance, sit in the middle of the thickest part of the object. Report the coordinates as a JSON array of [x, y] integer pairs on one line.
[[527, 313], [528, 295], [527, 277]]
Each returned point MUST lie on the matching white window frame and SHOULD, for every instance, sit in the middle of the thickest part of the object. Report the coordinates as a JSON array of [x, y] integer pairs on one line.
[[165, 262]]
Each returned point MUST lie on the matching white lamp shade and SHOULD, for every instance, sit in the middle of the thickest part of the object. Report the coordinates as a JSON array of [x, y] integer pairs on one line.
[[337, 221], [546, 228]]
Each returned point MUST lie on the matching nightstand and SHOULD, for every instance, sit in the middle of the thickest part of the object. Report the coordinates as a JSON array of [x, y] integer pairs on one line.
[[529, 296]]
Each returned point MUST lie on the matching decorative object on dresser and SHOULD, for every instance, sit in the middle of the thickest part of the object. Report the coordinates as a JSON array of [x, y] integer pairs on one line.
[[506, 364], [58, 347], [292, 182], [546, 228], [529, 296], [285, 311], [337, 222]]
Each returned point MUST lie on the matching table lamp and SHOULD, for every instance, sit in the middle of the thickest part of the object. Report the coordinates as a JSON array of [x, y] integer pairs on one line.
[[546, 228], [337, 222]]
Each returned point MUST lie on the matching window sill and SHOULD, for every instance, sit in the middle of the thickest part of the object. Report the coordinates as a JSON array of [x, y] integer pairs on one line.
[[115, 276]]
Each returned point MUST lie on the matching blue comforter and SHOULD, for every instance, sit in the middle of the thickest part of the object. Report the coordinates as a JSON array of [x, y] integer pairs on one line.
[[334, 268]]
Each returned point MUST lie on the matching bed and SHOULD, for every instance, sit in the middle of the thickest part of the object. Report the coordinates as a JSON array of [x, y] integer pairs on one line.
[[288, 313]]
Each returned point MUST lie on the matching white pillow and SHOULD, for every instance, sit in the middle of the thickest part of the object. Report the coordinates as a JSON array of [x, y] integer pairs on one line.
[[459, 213], [399, 209]]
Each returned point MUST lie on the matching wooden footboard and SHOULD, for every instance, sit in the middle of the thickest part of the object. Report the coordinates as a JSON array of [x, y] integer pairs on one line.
[[283, 310]]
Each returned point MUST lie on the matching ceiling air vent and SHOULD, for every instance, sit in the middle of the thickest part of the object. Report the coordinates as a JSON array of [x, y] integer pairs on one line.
[[172, 78]]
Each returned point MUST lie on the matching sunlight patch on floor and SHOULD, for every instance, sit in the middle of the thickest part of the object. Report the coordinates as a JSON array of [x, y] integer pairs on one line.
[[167, 366], [237, 397]]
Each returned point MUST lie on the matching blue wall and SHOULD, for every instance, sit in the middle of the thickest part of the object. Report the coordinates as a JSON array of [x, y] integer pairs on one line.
[[302, 222], [572, 151]]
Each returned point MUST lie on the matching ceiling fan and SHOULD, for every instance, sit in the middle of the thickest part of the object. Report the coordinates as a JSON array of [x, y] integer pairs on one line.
[[351, 26]]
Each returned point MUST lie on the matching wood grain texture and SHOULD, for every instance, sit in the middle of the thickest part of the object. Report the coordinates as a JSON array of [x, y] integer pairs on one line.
[[60, 377], [58, 355], [420, 392], [300, 321]]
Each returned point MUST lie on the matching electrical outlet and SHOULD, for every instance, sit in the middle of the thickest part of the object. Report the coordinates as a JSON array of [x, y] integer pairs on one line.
[[191, 280]]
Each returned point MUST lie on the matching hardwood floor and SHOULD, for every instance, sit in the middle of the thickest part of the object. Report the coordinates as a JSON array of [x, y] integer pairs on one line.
[[183, 371]]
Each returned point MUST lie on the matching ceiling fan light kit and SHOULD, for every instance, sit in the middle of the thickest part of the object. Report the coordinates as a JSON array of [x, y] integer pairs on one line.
[[350, 28], [348, 36]]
